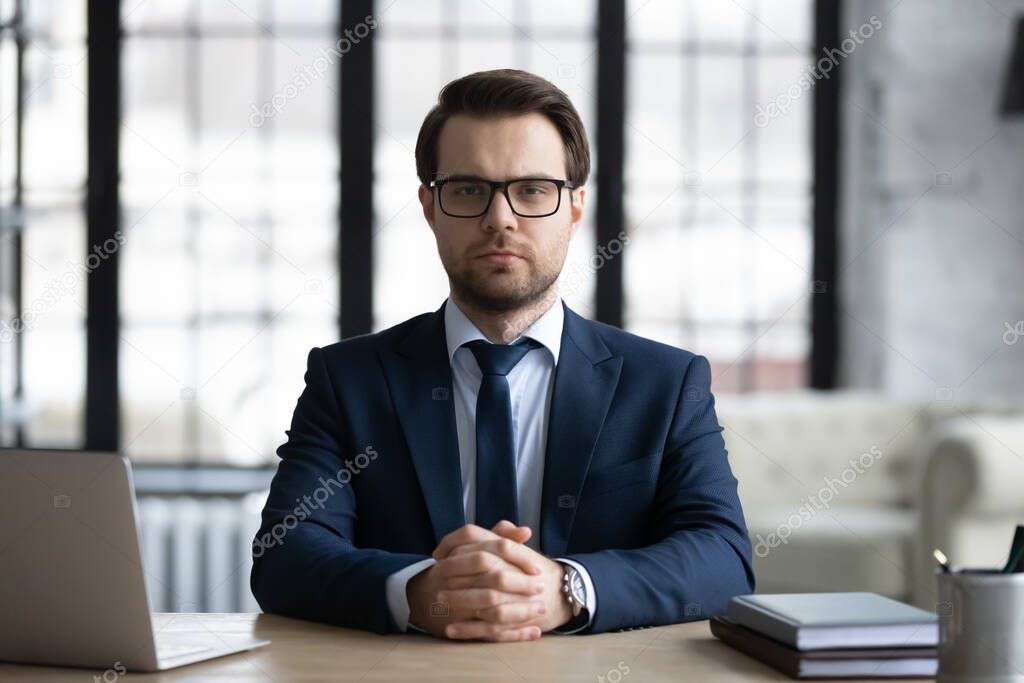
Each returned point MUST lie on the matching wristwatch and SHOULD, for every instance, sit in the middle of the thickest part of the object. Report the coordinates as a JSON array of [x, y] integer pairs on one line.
[[575, 592]]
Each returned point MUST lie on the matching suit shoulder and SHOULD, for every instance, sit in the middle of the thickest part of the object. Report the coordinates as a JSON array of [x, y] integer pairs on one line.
[[363, 345], [634, 347]]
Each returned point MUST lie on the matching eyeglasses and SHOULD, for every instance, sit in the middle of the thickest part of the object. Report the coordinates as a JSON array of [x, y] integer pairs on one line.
[[467, 197]]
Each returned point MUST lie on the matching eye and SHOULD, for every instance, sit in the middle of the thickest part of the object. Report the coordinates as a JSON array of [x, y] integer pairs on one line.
[[534, 189], [466, 189]]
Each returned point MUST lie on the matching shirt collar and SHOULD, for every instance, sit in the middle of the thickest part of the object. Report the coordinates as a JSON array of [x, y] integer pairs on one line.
[[547, 329]]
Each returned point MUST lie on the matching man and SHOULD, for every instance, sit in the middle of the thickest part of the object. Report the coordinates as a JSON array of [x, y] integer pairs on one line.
[[502, 467]]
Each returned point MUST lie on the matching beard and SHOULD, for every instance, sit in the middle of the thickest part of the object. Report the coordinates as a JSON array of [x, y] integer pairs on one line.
[[497, 290]]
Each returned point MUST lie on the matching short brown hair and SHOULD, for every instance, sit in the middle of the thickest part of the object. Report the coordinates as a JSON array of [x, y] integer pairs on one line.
[[504, 91]]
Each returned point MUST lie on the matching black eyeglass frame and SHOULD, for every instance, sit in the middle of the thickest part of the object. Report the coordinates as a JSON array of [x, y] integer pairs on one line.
[[503, 186]]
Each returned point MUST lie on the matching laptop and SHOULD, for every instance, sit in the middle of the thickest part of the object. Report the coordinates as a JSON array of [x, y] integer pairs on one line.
[[72, 583]]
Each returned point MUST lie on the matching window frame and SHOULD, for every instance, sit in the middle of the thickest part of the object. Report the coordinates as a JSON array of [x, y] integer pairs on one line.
[[356, 133]]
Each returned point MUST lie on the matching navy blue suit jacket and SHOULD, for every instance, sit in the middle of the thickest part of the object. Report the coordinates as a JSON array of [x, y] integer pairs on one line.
[[637, 487]]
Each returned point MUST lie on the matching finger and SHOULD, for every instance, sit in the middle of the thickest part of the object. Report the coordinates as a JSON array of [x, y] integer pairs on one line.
[[477, 598], [512, 612], [519, 534], [471, 563], [503, 525], [506, 580], [516, 635], [468, 630], [514, 553], [470, 533]]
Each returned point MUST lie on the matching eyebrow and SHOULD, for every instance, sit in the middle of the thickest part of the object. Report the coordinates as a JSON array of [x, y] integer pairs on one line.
[[469, 176]]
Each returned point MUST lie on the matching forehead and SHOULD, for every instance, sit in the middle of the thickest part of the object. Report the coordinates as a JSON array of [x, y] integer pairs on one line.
[[499, 147]]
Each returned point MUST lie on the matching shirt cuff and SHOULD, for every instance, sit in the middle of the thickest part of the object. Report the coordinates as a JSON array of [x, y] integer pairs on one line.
[[398, 601], [591, 595]]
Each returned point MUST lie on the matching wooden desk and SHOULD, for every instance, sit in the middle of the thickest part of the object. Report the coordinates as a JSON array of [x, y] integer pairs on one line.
[[306, 651]]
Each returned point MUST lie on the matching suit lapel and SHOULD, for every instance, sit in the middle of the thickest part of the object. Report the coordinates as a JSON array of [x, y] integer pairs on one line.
[[585, 381], [419, 375]]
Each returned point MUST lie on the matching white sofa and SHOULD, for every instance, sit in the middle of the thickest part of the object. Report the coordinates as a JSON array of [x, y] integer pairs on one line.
[[972, 489], [818, 521], [925, 474]]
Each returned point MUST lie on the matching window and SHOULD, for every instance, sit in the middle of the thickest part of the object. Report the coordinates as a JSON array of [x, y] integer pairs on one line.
[[229, 198], [718, 207], [230, 152], [42, 226]]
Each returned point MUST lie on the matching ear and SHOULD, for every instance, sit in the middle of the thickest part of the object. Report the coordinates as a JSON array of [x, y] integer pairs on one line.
[[579, 198], [426, 196]]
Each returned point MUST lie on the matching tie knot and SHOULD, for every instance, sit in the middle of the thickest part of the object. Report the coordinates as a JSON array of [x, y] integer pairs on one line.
[[499, 359]]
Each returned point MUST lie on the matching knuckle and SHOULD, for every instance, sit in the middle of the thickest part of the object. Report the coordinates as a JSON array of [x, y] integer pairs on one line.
[[503, 581], [520, 634]]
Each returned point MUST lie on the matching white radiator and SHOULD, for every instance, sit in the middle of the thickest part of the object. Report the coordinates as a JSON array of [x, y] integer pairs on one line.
[[197, 552]]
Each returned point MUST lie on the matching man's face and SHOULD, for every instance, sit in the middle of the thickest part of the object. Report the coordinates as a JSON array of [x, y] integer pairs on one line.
[[501, 261]]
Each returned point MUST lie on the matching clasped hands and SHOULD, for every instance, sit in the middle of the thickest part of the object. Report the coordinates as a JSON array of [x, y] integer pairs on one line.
[[488, 585]]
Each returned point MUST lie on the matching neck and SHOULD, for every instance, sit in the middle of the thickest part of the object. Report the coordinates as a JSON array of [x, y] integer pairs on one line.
[[503, 327]]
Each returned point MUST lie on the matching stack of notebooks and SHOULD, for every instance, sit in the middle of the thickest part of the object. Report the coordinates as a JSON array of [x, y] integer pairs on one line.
[[833, 635]]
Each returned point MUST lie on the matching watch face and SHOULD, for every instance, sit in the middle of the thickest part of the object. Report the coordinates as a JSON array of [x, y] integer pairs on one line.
[[579, 593]]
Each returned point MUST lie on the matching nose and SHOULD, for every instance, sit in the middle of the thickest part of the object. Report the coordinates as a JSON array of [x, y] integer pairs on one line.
[[499, 214]]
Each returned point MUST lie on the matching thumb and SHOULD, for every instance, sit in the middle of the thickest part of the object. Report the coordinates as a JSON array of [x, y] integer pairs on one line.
[[519, 534]]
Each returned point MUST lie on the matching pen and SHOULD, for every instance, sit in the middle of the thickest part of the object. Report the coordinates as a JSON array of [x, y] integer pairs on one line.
[[1016, 552]]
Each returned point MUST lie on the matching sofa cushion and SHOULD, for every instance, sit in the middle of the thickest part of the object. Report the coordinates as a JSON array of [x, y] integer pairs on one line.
[[785, 447], [841, 549]]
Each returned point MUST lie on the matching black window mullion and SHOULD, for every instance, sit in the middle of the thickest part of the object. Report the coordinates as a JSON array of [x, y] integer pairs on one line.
[[355, 138], [611, 115], [20, 43], [825, 150], [102, 413]]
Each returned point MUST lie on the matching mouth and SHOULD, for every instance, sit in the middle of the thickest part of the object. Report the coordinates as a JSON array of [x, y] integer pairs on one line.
[[499, 256]]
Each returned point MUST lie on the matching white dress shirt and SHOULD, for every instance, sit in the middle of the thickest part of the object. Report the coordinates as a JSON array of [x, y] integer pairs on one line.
[[531, 383]]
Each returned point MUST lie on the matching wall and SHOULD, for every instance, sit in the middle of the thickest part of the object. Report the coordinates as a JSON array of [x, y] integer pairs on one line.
[[932, 210]]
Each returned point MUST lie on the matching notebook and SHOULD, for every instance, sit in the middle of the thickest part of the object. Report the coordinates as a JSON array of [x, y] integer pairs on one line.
[[911, 662], [822, 621]]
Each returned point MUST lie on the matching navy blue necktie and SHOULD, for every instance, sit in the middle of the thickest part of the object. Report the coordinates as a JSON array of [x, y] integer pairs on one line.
[[495, 444]]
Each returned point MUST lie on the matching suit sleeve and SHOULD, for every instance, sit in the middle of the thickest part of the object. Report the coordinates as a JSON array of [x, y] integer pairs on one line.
[[702, 555], [305, 563]]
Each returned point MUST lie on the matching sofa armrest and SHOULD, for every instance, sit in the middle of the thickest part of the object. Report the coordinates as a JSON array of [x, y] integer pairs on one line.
[[973, 469], [976, 466]]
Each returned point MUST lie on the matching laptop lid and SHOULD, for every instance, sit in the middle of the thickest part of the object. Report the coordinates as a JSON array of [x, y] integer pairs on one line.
[[72, 583]]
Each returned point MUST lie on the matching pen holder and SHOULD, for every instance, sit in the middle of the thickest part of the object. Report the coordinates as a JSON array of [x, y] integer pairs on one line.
[[981, 626]]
